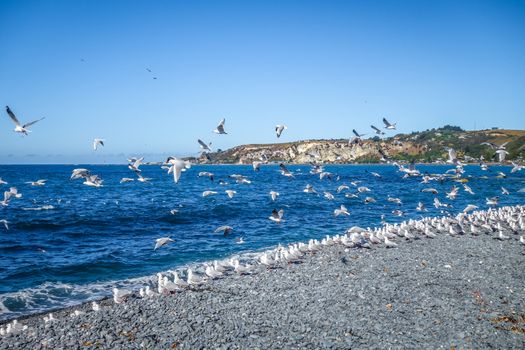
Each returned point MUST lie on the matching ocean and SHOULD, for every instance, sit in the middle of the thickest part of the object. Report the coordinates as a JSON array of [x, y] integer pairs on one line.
[[68, 243]]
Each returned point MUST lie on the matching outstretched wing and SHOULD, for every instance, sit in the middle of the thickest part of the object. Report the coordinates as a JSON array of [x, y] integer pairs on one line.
[[386, 122], [376, 129], [12, 115], [33, 122]]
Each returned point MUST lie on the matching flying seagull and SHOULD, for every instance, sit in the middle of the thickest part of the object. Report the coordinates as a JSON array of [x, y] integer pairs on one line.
[[277, 216], [177, 166], [388, 125], [224, 229], [23, 129], [279, 130], [358, 135], [97, 142], [220, 127], [159, 242], [379, 132], [205, 147]]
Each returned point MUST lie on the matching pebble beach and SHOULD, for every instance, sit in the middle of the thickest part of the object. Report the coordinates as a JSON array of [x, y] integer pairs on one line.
[[448, 292]]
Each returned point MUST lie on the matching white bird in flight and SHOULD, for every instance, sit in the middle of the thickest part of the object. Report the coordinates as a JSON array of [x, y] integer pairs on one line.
[[279, 129], [277, 216], [389, 125], [159, 242], [220, 128], [97, 142], [177, 166], [204, 147], [379, 132], [23, 129], [37, 182]]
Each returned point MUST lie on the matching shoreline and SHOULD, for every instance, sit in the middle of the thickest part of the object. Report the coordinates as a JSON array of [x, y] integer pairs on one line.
[[344, 296]]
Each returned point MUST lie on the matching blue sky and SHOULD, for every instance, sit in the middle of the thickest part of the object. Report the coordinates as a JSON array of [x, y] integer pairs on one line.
[[321, 67]]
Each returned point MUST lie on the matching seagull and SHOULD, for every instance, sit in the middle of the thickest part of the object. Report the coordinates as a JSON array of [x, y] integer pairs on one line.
[[379, 132], [468, 189], [97, 142], [431, 190], [37, 183], [492, 201], [452, 156], [159, 242], [277, 216], [309, 189], [504, 191], [501, 155], [120, 295], [4, 221], [341, 211], [13, 192], [220, 128], [23, 129], [135, 163], [470, 207], [208, 193], [2, 182], [194, 279], [279, 129], [285, 171], [239, 240], [388, 125], [274, 195], [358, 135], [226, 230], [389, 243], [502, 237], [126, 179], [256, 165], [206, 173], [421, 207], [230, 193], [516, 167], [177, 166], [328, 196], [205, 147], [95, 306]]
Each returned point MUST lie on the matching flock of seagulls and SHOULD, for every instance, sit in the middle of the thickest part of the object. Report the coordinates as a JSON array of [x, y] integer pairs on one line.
[[493, 222]]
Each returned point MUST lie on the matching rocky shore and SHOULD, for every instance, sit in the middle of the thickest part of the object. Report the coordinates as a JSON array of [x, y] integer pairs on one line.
[[450, 292]]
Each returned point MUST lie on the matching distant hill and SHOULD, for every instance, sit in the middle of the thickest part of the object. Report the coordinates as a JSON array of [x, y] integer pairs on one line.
[[424, 146]]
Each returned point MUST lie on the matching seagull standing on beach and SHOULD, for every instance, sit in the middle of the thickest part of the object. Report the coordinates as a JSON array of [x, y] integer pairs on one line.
[[120, 295], [220, 128], [23, 129]]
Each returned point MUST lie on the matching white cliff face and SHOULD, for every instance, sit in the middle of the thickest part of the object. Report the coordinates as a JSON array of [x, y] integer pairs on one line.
[[426, 145], [325, 151]]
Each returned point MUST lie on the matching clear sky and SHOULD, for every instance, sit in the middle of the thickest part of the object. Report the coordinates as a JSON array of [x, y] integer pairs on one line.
[[320, 67]]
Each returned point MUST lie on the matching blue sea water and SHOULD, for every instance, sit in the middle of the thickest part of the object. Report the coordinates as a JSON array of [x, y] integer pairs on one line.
[[68, 243]]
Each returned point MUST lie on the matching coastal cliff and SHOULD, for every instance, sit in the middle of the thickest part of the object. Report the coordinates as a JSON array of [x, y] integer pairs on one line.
[[424, 146]]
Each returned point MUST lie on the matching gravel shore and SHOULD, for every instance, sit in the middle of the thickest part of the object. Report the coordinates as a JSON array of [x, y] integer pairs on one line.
[[461, 292]]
